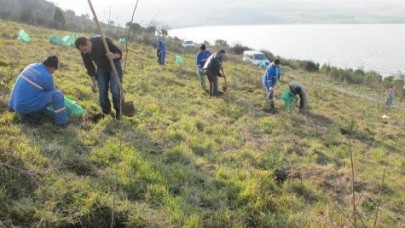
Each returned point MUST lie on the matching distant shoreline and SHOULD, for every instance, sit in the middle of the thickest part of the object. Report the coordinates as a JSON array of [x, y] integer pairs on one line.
[[346, 46], [284, 24]]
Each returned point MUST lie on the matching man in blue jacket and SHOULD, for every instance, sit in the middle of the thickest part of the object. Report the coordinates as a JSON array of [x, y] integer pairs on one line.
[[161, 51], [93, 50], [34, 90], [201, 58], [273, 73]]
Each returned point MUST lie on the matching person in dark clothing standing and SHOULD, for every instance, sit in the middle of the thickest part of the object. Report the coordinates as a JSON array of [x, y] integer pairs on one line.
[[297, 88], [213, 69], [93, 51]]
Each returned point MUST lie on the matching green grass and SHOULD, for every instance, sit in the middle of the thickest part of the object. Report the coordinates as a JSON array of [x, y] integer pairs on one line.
[[187, 160]]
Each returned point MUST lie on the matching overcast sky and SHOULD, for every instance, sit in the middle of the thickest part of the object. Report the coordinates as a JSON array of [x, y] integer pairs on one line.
[[184, 13]]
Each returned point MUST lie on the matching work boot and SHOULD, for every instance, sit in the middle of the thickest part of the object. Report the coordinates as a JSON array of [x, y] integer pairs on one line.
[[272, 105], [118, 115], [61, 126]]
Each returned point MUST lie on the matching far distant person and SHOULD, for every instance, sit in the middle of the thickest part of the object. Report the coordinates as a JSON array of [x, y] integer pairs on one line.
[[161, 50], [213, 68], [201, 58], [272, 74], [93, 50], [34, 91], [389, 100], [298, 89], [403, 93]]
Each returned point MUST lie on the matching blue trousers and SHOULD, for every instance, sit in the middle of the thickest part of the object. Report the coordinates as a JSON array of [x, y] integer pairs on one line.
[[58, 106], [201, 77], [57, 100], [272, 84], [106, 81], [162, 58]]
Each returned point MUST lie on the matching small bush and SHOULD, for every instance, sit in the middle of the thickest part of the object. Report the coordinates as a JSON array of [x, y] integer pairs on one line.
[[239, 49], [306, 65]]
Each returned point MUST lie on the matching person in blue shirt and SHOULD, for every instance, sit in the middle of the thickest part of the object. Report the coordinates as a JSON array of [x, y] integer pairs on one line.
[[273, 73], [34, 91], [161, 51], [201, 58]]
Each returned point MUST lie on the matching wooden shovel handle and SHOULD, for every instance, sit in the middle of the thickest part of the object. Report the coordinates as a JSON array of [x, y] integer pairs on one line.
[[117, 78]]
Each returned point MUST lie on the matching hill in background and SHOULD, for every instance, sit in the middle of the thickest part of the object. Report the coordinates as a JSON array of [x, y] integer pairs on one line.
[[180, 13]]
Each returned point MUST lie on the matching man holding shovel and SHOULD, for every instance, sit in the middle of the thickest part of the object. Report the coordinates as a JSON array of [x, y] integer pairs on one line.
[[213, 68], [93, 51]]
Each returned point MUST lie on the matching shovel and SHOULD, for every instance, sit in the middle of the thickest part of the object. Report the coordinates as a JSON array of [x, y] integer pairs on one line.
[[127, 107]]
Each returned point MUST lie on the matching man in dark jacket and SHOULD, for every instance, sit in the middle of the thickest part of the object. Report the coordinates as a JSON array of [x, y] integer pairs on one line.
[[93, 50], [213, 69], [297, 88]]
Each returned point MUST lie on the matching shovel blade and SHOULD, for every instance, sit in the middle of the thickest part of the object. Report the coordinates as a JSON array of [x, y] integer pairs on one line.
[[128, 109]]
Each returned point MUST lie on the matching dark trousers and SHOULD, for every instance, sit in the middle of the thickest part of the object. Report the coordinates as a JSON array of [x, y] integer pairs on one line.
[[213, 79]]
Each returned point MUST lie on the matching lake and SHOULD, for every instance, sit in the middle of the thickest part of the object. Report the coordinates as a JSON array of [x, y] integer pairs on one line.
[[371, 47]]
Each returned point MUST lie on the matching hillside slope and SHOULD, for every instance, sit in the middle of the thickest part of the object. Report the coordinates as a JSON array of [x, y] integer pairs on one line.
[[187, 160]]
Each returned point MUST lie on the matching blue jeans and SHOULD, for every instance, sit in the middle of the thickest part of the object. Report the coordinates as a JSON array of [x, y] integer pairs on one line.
[[162, 58], [106, 80], [272, 84], [201, 76]]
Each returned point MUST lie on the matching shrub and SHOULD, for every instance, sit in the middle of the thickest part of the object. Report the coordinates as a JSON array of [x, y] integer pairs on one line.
[[239, 49], [306, 65], [372, 79], [221, 43]]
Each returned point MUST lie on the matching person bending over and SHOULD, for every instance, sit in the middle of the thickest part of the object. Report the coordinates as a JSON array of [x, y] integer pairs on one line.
[[298, 89], [34, 91], [93, 51], [213, 69]]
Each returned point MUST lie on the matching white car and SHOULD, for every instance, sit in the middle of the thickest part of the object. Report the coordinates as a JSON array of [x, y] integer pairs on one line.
[[255, 57], [188, 44]]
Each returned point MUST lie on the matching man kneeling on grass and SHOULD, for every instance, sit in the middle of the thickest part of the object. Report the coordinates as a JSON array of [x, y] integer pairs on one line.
[[34, 90]]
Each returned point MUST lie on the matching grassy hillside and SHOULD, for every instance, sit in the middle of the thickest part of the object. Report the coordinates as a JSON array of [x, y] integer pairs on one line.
[[187, 160]]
